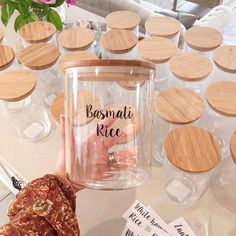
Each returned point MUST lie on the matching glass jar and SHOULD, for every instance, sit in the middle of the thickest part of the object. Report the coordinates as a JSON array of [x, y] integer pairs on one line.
[[112, 153], [76, 39], [23, 105], [7, 57], [119, 44], [192, 158], [163, 26], [38, 32], [126, 20], [203, 40]]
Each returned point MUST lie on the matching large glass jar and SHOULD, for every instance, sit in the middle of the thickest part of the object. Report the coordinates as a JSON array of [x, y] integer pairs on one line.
[[23, 105], [108, 145]]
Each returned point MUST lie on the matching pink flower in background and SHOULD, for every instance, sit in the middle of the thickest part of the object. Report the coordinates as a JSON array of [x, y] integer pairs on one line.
[[71, 2], [46, 1]]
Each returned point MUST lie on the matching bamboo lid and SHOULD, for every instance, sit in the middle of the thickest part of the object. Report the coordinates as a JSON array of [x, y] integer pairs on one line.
[[163, 26], [123, 20], [39, 56], [203, 38], [37, 31], [179, 105], [7, 56], [225, 58], [233, 146], [156, 49], [73, 57], [190, 66], [192, 149], [76, 38], [221, 96], [1, 35], [16, 85], [119, 41]]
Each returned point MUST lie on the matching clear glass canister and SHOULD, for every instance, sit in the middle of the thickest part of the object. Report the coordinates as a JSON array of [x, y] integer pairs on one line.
[[38, 32], [108, 145], [7, 57], [23, 105], [119, 44], [76, 39]]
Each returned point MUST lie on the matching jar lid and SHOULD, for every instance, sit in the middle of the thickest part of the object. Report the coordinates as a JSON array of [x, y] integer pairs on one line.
[[179, 105], [1, 35], [76, 38], [162, 26], [190, 66], [123, 20], [203, 38], [225, 58], [157, 49], [7, 56], [130, 85], [16, 85], [221, 96], [37, 31], [72, 57], [119, 41], [39, 56], [192, 149], [233, 146]]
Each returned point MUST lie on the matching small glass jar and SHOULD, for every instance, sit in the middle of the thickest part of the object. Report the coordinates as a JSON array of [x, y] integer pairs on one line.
[[190, 70], [192, 158], [119, 44], [76, 39], [203, 40], [38, 32], [23, 105], [7, 57], [163, 26], [125, 20]]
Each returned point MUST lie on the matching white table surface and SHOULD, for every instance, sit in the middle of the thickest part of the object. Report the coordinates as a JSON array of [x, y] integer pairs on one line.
[[99, 212]]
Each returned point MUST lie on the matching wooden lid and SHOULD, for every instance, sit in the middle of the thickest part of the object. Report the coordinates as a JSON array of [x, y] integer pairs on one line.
[[1, 35], [192, 149], [118, 41], [179, 105], [76, 38], [123, 20], [225, 58], [7, 56], [16, 85], [163, 26], [221, 97], [73, 57], [190, 66], [85, 97], [233, 146], [203, 38], [156, 49], [39, 56], [37, 31]]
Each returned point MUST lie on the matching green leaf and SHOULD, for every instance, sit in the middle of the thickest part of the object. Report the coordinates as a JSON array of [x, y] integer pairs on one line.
[[57, 3], [32, 17], [13, 4], [24, 8], [37, 5], [7, 12], [55, 19], [19, 22]]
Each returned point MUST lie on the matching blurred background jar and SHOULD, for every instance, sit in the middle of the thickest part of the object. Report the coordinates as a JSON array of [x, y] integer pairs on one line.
[[76, 39], [125, 20], [7, 58], [119, 44], [23, 105], [163, 26], [192, 158]]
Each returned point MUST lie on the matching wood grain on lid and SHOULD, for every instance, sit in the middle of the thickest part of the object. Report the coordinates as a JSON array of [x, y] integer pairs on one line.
[[123, 20], [225, 58], [37, 32], [221, 96], [1, 35], [233, 146], [7, 56], [76, 38], [203, 38], [39, 56], [162, 26], [119, 41], [73, 57], [192, 149], [179, 105], [156, 49], [130, 85], [16, 85], [190, 66]]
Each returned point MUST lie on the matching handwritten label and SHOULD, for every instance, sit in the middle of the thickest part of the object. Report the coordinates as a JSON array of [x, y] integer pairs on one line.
[[181, 227]]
